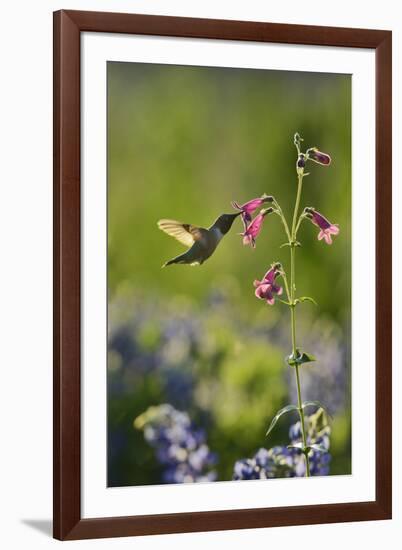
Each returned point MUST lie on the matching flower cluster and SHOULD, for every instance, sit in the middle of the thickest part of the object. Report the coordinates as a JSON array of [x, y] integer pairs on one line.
[[266, 288], [288, 461], [252, 227], [180, 446], [266, 464]]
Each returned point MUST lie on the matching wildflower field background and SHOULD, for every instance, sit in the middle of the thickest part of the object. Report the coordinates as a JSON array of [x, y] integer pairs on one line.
[[183, 142]]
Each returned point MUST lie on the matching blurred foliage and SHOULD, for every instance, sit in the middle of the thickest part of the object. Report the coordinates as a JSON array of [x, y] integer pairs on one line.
[[182, 143]]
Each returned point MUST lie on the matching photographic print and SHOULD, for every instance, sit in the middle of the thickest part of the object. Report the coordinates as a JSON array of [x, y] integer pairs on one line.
[[229, 274]]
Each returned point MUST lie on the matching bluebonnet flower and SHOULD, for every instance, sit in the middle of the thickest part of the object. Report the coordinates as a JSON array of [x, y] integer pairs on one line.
[[318, 433], [266, 464], [289, 462], [247, 468], [180, 447]]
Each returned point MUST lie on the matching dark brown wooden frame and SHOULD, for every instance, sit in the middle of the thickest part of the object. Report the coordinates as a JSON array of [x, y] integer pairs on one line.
[[68, 26]]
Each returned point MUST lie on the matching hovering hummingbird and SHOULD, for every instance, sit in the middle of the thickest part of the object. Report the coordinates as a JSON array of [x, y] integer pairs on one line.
[[201, 242]]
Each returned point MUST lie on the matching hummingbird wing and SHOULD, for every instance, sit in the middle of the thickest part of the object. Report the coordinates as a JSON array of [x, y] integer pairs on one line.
[[185, 233]]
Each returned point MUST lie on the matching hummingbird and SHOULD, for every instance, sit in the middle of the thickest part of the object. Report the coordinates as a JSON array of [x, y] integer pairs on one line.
[[201, 242]]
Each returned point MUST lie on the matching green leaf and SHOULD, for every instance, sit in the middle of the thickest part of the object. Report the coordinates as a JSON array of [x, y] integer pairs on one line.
[[317, 404], [306, 450], [296, 243], [306, 358], [306, 299], [299, 447], [284, 302], [317, 447], [301, 357], [283, 411], [291, 360]]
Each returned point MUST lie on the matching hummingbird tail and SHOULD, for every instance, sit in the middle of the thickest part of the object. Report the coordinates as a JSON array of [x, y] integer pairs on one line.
[[170, 262], [183, 259]]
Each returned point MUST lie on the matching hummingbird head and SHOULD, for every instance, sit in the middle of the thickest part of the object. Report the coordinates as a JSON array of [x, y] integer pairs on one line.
[[225, 221]]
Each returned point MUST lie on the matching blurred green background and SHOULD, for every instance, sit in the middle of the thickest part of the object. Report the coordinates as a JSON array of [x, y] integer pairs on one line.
[[183, 142]]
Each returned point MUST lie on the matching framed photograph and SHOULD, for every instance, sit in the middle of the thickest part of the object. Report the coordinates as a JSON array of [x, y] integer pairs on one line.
[[222, 272]]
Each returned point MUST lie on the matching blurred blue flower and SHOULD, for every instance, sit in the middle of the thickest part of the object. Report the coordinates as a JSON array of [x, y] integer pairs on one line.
[[247, 468], [289, 462], [318, 433], [266, 464], [180, 446]]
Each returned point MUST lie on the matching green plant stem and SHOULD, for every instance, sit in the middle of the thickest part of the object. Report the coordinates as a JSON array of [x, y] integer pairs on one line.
[[302, 217], [285, 280], [297, 205], [293, 317], [283, 219]]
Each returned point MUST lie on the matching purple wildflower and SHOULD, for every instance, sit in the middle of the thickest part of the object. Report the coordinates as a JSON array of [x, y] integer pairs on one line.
[[265, 289], [252, 231], [326, 227], [318, 433], [318, 156], [249, 207]]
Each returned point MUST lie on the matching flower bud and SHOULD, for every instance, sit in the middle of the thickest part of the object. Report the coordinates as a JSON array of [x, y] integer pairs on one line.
[[297, 139], [318, 156], [301, 163]]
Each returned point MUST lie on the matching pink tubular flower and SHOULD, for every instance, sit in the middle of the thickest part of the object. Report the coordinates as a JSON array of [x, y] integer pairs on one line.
[[317, 156], [252, 230], [248, 208], [326, 227], [265, 289]]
